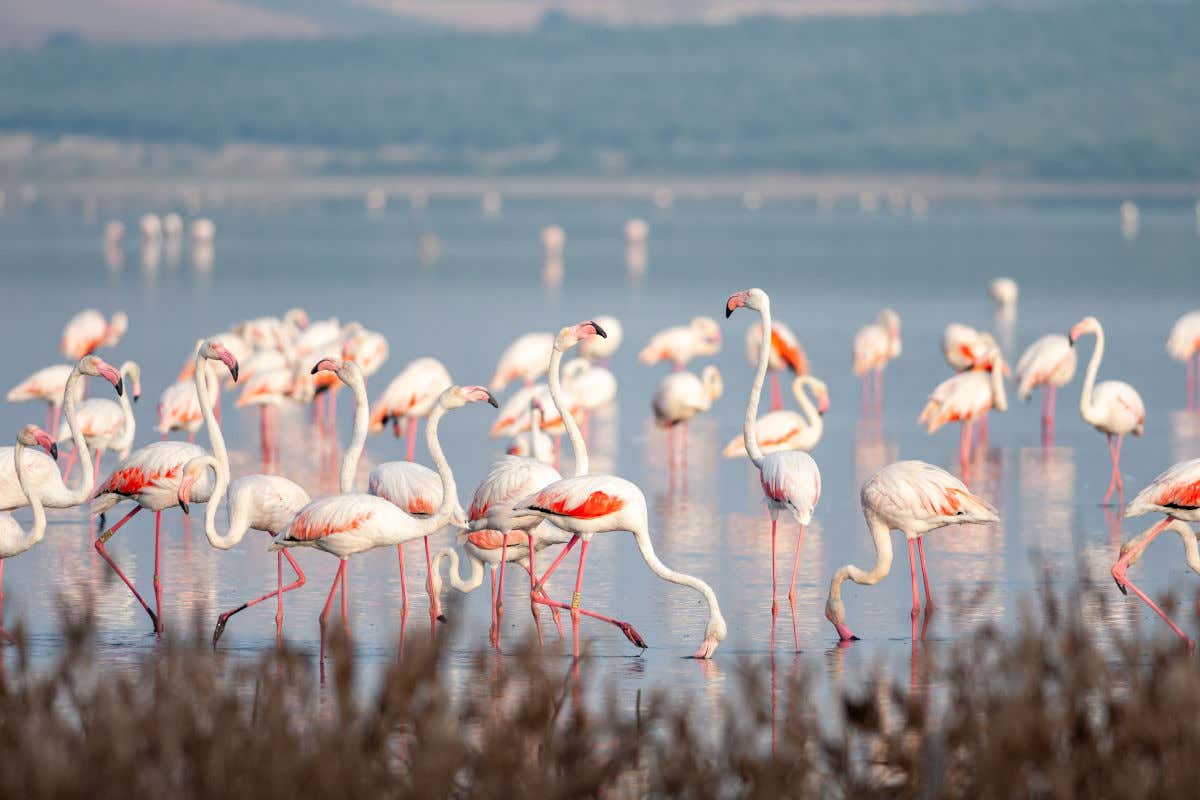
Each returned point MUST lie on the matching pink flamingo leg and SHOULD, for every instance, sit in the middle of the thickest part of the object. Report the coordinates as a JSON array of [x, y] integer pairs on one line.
[[1162, 614], [50, 412], [546, 575], [57, 418], [879, 393], [925, 576], [403, 582], [776, 392], [337, 579], [99, 455], [964, 444], [532, 570], [1130, 553], [1114, 482], [866, 394], [157, 574], [577, 597], [498, 612], [435, 607], [492, 601], [795, 568], [223, 619], [630, 633], [410, 447], [71, 459], [774, 605], [99, 545], [345, 596], [912, 568]]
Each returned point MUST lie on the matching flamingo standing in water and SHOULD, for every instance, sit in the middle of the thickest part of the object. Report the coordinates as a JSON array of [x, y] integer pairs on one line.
[[789, 430], [964, 347], [1175, 494], [534, 443], [1004, 292], [150, 475], [600, 349], [1048, 363], [47, 385], [1112, 407], [914, 498], [43, 471], [410, 396], [269, 390], [585, 505], [874, 346], [525, 359], [592, 385], [790, 478], [786, 353], [1183, 344], [88, 331], [350, 523], [13, 539], [256, 502], [107, 425], [681, 396], [681, 343], [964, 398]]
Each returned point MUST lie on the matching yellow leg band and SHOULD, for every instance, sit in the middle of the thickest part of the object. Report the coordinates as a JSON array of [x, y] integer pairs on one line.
[[575, 599]]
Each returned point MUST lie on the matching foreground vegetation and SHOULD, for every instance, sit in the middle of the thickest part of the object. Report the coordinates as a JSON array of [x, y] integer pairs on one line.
[[1044, 712], [1094, 90]]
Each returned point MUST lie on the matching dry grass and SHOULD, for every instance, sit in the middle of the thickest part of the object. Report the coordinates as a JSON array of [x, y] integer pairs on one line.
[[1042, 712]]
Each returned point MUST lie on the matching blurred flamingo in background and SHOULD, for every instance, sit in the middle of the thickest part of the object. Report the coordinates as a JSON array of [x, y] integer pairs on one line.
[[790, 479], [786, 353], [107, 425], [965, 398], [1048, 363], [410, 396], [273, 333], [600, 349], [788, 430], [680, 397], [47, 385], [914, 498], [1004, 293], [270, 390], [1112, 407], [525, 359], [88, 331], [1183, 344], [534, 443], [681, 343], [874, 346], [963, 346]]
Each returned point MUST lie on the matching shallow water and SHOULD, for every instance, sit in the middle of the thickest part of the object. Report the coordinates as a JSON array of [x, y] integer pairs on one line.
[[827, 274]]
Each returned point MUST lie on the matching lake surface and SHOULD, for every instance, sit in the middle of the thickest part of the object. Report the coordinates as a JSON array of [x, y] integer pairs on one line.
[[827, 275]]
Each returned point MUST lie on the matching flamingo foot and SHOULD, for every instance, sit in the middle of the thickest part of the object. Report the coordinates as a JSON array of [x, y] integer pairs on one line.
[[632, 635], [221, 622]]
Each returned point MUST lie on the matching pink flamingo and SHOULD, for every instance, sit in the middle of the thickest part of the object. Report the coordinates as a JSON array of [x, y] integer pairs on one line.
[[964, 398], [1175, 494], [150, 476], [786, 353], [256, 502], [351, 523], [1112, 407], [410, 396], [600, 349], [874, 346], [47, 385], [914, 498], [681, 343], [534, 443], [789, 430], [278, 333], [1183, 344], [107, 425], [43, 470], [585, 505], [13, 539], [790, 478], [525, 359], [680, 397], [1048, 363], [88, 331], [963, 346], [269, 390]]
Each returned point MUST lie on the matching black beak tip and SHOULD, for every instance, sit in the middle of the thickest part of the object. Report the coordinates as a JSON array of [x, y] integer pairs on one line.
[[492, 400], [441, 617], [54, 451], [183, 505], [136, 397], [855, 639], [1121, 586], [120, 386], [234, 372], [316, 368], [728, 312], [599, 331]]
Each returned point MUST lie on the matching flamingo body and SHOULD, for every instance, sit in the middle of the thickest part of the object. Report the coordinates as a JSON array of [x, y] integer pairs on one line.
[[786, 352], [680, 344], [525, 359], [411, 394], [1049, 361], [150, 477]]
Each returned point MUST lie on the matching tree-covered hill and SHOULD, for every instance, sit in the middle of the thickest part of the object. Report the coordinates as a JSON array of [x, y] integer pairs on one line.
[[1094, 91]]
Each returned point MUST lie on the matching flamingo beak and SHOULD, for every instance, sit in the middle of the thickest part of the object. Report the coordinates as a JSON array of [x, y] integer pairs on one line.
[[736, 301], [589, 328], [110, 374], [137, 391], [325, 364], [46, 443], [823, 404], [475, 394], [227, 359], [185, 492]]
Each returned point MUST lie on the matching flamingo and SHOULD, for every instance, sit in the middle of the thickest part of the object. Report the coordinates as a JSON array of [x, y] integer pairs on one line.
[[413, 488], [963, 346], [1112, 407], [47, 385], [1048, 363], [790, 479], [600, 349], [269, 390], [256, 502], [150, 475], [13, 539], [264, 333], [180, 408], [1183, 344], [326, 386], [965, 397], [524, 359], [203, 231], [232, 342], [88, 331], [535, 443], [914, 498], [874, 346], [585, 505], [593, 386], [260, 361], [514, 417], [786, 353], [43, 470], [681, 396], [410, 396], [1003, 292], [636, 233], [350, 523], [316, 336], [151, 226], [553, 240], [789, 430], [368, 349], [700, 337], [107, 425], [1176, 495]]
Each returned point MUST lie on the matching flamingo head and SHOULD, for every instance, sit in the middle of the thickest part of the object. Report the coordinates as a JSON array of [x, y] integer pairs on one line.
[[297, 317], [707, 331], [192, 471], [347, 370], [132, 373], [116, 328], [749, 298], [890, 321], [33, 436], [459, 396], [821, 392], [1084, 326], [570, 336], [97, 367], [214, 350], [714, 634]]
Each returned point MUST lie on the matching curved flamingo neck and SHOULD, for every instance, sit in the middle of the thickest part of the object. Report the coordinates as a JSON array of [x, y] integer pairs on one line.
[[999, 398], [1089, 380], [881, 533], [578, 445], [235, 533], [750, 426], [203, 379], [34, 535], [464, 585], [716, 622], [127, 433], [358, 439], [811, 416], [84, 490], [449, 489]]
